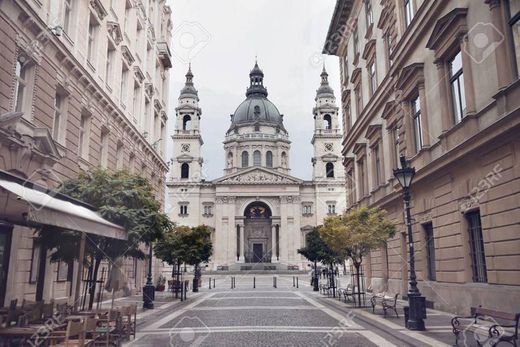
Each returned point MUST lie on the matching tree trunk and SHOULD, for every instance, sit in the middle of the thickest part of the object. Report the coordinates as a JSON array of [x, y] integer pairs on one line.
[[196, 278], [357, 266], [178, 285]]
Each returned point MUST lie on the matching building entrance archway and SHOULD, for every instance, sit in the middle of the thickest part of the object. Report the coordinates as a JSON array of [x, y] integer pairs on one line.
[[258, 235]]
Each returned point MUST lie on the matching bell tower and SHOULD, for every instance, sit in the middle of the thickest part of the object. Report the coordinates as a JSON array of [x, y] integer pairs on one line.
[[187, 140], [327, 135]]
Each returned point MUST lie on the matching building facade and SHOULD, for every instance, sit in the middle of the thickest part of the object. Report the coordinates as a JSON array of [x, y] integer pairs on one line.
[[259, 213], [437, 82], [83, 84]]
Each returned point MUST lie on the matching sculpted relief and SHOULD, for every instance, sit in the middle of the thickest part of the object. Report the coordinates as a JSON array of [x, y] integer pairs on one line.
[[258, 177]]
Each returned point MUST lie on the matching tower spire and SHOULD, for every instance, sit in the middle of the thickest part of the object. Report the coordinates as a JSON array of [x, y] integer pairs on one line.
[[256, 82]]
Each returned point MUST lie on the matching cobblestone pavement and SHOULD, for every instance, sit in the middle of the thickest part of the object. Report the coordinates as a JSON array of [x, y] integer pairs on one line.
[[282, 316]]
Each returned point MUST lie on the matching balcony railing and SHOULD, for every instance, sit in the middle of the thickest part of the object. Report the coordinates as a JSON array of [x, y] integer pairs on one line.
[[164, 54]]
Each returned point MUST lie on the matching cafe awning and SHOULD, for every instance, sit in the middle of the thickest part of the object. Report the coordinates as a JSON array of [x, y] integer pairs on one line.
[[27, 204]]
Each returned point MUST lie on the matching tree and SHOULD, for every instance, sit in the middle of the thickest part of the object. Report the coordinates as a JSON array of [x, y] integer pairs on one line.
[[120, 197], [357, 232], [316, 250], [186, 245]]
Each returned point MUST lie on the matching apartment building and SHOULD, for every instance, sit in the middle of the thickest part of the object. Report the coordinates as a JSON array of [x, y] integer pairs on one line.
[[437, 82], [82, 84]]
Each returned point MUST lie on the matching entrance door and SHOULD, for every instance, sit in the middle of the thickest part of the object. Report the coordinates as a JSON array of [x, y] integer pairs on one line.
[[5, 245], [258, 252]]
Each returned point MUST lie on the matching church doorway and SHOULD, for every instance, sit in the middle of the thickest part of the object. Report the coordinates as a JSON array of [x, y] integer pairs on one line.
[[257, 233]]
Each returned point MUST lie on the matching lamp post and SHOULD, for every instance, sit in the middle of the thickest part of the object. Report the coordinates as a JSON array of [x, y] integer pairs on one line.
[[315, 277], [416, 302], [149, 289]]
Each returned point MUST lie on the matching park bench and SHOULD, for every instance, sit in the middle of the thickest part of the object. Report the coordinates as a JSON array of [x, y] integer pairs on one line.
[[325, 289], [488, 325], [387, 302], [347, 293]]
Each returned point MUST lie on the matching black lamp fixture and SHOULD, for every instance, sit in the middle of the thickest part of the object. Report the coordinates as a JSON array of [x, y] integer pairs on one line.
[[415, 313]]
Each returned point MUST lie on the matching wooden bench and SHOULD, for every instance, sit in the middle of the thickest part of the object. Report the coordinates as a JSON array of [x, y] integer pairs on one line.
[[347, 293], [325, 289], [387, 303], [484, 323]]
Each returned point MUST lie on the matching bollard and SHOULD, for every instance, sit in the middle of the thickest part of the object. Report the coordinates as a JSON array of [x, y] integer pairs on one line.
[[297, 285], [293, 281], [231, 279], [213, 283], [209, 282], [274, 281], [254, 282]]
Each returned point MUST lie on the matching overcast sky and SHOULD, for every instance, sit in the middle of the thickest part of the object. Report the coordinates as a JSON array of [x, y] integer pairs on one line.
[[221, 39]]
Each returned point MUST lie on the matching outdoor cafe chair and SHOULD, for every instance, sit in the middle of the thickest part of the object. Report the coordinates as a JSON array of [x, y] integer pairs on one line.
[[75, 335]]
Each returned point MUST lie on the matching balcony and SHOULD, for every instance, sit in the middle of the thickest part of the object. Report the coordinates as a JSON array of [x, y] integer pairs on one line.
[[164, 54]]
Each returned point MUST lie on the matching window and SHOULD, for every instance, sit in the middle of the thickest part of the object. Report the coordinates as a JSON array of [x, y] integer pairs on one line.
[[358, 98], [84, 134], [131, 163], [185, 170], [245, 159], [351, 194], [348, 115], [208, 210], [284, 159], [345, 70], [327, 122], [124, 81], [119, 157], [478, 256], [183, 209], [355, 41], [329, 167], [104, 149], [137, 100], [58, 126], [369, 14], [331, 208], [430, 250], [514, 27], [269, 159], [186, 122], [457, 87], [395, 140], [257, 158], [22, 84], [128, 7], [408, 12], [372, 78], [417, 126], [35, 262], [362, 176], [91, 40], [378, 174], [109, 65], [62, 271], [67, 14], [307, 209]]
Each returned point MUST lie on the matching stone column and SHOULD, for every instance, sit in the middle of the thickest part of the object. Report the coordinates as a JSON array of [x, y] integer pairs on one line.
[[504, 69], [242, 258], [469, 90], [446, 113], [273, 242]]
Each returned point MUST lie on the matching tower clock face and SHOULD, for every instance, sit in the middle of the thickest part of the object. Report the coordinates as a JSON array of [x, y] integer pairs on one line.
[[185, 147], [329, 147]]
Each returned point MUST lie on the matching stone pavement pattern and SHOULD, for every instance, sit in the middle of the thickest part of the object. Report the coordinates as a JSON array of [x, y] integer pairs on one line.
[[282, 316]]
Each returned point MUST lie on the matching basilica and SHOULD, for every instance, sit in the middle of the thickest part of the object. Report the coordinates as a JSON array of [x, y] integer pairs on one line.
[[258, 212]]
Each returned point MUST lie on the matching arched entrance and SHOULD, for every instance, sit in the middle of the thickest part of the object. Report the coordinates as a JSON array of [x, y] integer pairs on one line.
[[257, 233]]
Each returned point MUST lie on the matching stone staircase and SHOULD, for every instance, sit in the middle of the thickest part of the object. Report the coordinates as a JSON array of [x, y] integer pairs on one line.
[[257, 268]]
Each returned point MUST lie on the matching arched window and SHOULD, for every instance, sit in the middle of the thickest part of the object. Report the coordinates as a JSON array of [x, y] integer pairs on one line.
[[245, 159], [257, 158], [185, 170], [269, 159], [327, 121], [330, 169], [284, 160], [186, 122]]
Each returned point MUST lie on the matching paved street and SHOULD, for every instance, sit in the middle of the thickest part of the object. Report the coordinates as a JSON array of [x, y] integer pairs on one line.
[[267, 316]]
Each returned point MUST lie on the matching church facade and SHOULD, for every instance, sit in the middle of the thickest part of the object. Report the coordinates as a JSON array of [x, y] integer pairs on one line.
[[258, 211]]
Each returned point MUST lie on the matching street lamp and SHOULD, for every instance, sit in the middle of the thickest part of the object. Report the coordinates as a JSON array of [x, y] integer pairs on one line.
[[416, 302], [149, 289]]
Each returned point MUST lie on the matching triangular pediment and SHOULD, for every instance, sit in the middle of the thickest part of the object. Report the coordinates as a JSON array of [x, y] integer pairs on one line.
[[258, 175]]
